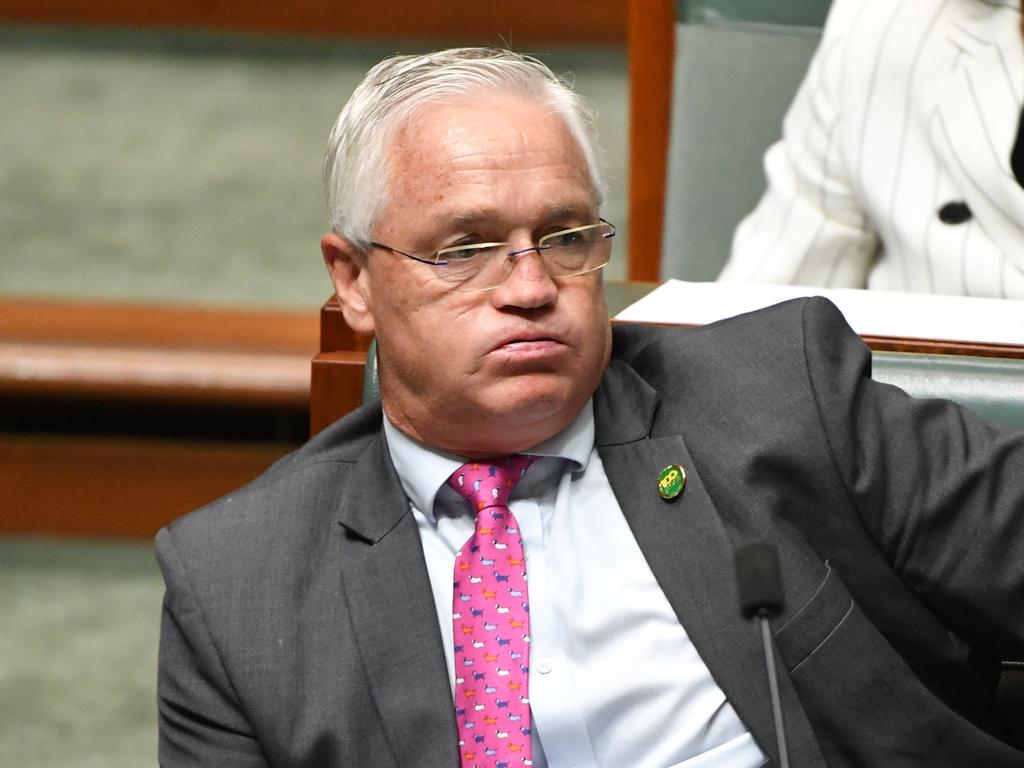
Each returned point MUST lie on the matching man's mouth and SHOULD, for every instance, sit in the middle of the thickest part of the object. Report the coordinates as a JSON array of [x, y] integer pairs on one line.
[[530, 346]]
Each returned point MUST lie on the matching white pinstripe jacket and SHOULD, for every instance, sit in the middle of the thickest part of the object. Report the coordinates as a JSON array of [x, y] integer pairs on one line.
[[907, 106]]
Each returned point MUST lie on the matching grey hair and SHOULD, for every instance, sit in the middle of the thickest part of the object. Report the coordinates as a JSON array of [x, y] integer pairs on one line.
[[355, 168]]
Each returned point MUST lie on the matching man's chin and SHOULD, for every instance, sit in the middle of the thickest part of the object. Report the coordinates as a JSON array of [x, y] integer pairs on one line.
[[497, 415], [531, 411]]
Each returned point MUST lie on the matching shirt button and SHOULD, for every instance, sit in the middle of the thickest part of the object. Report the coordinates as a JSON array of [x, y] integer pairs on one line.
[[544, 666]]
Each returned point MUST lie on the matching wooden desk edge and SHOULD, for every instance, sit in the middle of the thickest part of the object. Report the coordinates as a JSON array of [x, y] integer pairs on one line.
[[219, 356]]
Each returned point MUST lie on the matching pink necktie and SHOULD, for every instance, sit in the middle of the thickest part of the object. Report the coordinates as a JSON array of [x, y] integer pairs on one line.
[[491, 622]]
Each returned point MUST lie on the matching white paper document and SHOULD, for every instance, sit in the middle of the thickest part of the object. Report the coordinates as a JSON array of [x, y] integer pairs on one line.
[[869, 313]]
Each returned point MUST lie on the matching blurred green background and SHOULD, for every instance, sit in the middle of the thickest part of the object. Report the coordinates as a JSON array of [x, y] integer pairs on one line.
[[174, 167], [79, 623]]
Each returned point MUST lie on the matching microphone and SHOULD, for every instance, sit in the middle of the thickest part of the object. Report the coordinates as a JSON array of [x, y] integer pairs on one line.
[[760, 594]]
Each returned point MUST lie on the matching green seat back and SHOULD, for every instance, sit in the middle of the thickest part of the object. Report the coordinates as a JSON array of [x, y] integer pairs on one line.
[[737, 66], [371, 384], [993, 387]]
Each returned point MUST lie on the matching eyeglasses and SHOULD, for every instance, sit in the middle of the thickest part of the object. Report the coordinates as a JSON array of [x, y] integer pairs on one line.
[[485, 266]]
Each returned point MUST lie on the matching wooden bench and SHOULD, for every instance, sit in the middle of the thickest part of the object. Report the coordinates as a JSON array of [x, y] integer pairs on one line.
[[114, 419]]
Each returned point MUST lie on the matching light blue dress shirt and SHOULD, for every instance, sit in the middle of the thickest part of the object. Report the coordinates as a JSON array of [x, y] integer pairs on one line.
[[614, 679]]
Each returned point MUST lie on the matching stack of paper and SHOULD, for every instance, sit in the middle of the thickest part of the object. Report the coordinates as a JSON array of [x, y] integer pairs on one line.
[[869, 313]]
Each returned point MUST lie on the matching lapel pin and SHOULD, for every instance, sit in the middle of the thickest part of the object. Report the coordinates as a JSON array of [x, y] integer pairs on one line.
[[671, 481]]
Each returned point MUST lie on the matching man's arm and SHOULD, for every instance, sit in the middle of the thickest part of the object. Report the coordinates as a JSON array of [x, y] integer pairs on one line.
[[201, 720], [809, 228], [940, 490]]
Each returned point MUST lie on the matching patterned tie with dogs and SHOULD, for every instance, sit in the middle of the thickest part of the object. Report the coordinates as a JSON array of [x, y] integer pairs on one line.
[[491, 622]]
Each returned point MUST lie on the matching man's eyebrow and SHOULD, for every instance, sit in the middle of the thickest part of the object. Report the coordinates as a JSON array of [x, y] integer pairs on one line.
[[445, 222], [580, 210], [471, 218]]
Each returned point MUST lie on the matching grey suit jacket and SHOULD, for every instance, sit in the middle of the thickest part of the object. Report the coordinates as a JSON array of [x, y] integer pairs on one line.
[[299, 627]]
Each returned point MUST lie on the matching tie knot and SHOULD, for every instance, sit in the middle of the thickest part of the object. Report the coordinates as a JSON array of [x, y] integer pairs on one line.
[[489, 483]]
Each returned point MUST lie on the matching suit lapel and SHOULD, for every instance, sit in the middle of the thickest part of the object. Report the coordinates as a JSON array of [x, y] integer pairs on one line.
[[691, 555], [387, 590], [976, 120]]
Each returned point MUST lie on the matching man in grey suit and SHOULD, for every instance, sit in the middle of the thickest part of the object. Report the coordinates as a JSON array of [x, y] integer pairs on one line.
[[321, 616]]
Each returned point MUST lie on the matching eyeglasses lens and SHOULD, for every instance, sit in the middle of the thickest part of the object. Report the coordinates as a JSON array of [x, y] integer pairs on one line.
[[566, 253]]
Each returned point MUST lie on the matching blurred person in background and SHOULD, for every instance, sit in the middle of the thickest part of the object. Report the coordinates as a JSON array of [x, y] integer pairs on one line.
[[902, 160]]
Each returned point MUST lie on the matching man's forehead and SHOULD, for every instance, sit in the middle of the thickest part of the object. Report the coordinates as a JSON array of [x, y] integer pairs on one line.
[[488, 122], [472, 164]]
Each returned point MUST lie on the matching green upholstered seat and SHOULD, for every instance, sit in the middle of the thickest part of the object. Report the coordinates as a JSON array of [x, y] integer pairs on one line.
[[737, 66], [790, 13], [993, 387], [371, 384]]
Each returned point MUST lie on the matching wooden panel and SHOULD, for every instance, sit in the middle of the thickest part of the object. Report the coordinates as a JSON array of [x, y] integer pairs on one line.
[[651, 55], [337, 386], [115, 486], [158, 375], [494, 22], [151, 353], [941, 347], [232, 381], [335, 335], [101, 323]]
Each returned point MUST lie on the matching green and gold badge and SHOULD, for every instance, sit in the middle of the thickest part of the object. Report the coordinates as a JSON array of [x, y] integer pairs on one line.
[[671, 481]]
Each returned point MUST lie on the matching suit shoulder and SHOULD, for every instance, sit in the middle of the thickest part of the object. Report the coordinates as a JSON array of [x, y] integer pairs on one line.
[[775, 326], [297, 485], [776, 348]]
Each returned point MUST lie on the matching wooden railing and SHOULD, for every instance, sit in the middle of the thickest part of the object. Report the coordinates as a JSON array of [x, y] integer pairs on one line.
[[115, 419], [493, 23]]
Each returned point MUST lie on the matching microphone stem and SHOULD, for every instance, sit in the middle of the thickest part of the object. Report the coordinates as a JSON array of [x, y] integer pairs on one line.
[[773, 690]]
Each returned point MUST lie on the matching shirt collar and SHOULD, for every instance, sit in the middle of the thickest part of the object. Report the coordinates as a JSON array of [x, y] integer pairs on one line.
[[424, 470]]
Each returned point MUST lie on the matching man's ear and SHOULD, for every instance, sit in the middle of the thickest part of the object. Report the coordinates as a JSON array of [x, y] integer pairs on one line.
[[347, 266]]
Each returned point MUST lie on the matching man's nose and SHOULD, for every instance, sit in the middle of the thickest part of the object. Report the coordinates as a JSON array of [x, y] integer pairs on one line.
[[529, 284], [515, 254]]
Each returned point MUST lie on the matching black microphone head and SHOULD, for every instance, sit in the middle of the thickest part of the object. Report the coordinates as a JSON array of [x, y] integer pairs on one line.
[[758, 580]]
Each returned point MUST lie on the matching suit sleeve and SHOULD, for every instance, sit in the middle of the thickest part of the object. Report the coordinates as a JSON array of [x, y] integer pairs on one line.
[[201, 722], [940, 490], [809, 228]]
